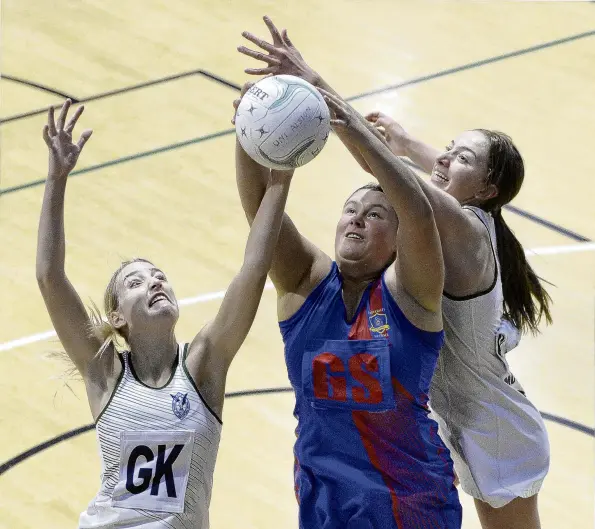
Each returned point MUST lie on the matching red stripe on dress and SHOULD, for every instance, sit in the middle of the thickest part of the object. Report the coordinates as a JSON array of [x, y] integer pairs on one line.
[[360, 331]]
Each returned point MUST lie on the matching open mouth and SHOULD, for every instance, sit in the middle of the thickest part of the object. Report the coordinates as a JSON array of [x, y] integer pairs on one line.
[[158, 297], [354, 236], [439, 176]]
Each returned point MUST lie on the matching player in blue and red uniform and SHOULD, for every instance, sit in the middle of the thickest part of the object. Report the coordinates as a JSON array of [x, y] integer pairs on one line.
[[362, 335]]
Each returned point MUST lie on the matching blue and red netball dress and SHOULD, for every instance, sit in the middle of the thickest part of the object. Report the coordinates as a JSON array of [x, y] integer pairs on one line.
[[367, 456]]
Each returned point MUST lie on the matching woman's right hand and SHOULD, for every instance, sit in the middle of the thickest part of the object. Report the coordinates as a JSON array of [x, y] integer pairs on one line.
[[395, 135], [63, 153], [236, 102]]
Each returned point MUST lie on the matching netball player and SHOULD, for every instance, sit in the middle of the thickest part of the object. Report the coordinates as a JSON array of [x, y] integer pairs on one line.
[[157, 406], [496, 436]]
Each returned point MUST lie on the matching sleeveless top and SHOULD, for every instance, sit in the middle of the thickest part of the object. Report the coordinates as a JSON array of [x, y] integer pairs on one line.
[[367, 454], [496, 436], [158, 448]]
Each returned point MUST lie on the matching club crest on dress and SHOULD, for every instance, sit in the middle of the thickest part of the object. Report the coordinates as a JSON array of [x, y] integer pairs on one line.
[[180, 405], [378, 323]]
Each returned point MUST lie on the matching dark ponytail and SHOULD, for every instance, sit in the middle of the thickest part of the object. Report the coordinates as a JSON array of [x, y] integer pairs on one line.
[[525, 299]]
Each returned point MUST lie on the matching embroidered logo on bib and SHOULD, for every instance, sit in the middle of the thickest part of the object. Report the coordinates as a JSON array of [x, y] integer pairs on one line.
[[378, 323], [180, 405]]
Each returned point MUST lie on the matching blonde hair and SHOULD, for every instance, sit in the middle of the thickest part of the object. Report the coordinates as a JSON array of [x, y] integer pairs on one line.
[[103, 329], [98, 326]]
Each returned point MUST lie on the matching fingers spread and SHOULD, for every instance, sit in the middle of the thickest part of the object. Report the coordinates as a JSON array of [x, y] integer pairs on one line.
[[72, 122], [261, 71], [286, 39], [269, 59], [86, 134], [46, 136], [62, 116], [259, 42], [277, 40], [51, 122]]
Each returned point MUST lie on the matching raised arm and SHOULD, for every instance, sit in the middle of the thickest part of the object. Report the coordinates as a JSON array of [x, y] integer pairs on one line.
[[282, 57], [297, 265], [466, 245], [64, 305], [226, 333], [418, 269], [403, 144]]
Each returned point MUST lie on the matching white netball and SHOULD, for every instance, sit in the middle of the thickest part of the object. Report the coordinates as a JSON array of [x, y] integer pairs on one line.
[[282, 122]]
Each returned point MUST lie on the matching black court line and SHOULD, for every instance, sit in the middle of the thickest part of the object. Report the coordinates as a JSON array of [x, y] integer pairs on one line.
[[521, 212], [547, 223], [417, 80], [118, 91], [83, 429], [124, 159], [245, 393], [39, 87], [218, 79], [567, 422], [475, 64], [200, 139]]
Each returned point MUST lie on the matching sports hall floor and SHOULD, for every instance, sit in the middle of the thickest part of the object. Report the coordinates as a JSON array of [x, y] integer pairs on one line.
[[157, 180]]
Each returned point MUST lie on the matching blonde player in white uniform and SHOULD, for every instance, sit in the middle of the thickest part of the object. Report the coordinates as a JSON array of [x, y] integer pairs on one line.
[[496, 437], [157, 407]]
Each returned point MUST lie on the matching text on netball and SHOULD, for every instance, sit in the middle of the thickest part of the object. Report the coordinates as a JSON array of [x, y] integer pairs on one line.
[[306, 115], [261, 94]]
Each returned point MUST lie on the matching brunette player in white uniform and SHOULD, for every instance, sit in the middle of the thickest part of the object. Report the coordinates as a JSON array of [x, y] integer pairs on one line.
[[496, 437]]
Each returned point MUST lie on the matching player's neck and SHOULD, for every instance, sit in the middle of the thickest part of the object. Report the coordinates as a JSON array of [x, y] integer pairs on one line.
[[352, 292], [357, 275], [153, 356]]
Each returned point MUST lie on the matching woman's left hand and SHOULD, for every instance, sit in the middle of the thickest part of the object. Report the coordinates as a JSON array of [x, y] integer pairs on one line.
[[344, 118]]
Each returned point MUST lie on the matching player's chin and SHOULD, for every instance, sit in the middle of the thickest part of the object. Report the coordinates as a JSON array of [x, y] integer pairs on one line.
[[164, 310], [350, 252]]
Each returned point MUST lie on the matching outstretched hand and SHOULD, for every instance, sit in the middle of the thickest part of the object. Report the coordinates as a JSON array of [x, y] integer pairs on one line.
[[236, 102], [343, 117], [395, 136], [282, 56], [58, 137]]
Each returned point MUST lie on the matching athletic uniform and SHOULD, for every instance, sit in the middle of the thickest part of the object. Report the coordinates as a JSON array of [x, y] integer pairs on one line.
[[158, 449], [496, 437], [367, 455]]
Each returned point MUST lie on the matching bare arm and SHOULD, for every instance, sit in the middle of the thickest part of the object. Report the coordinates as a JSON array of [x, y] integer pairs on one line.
[[403, 144], [466, 245], [226, 333], [64, 305], [419, 262], [296, 261], [283, 57], [466, 248]]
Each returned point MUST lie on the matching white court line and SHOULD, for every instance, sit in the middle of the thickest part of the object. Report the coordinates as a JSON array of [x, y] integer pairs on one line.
[[568, 248], [209, 296]]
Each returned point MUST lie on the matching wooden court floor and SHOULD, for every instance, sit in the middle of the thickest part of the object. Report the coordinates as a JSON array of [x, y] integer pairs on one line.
[[157, 180]]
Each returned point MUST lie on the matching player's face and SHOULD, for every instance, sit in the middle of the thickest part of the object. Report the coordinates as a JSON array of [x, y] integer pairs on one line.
[[462, 169], [145, 297], [367, 229]]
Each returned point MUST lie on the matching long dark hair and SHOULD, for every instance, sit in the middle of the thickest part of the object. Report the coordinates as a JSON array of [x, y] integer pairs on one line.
[[525, 299]]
